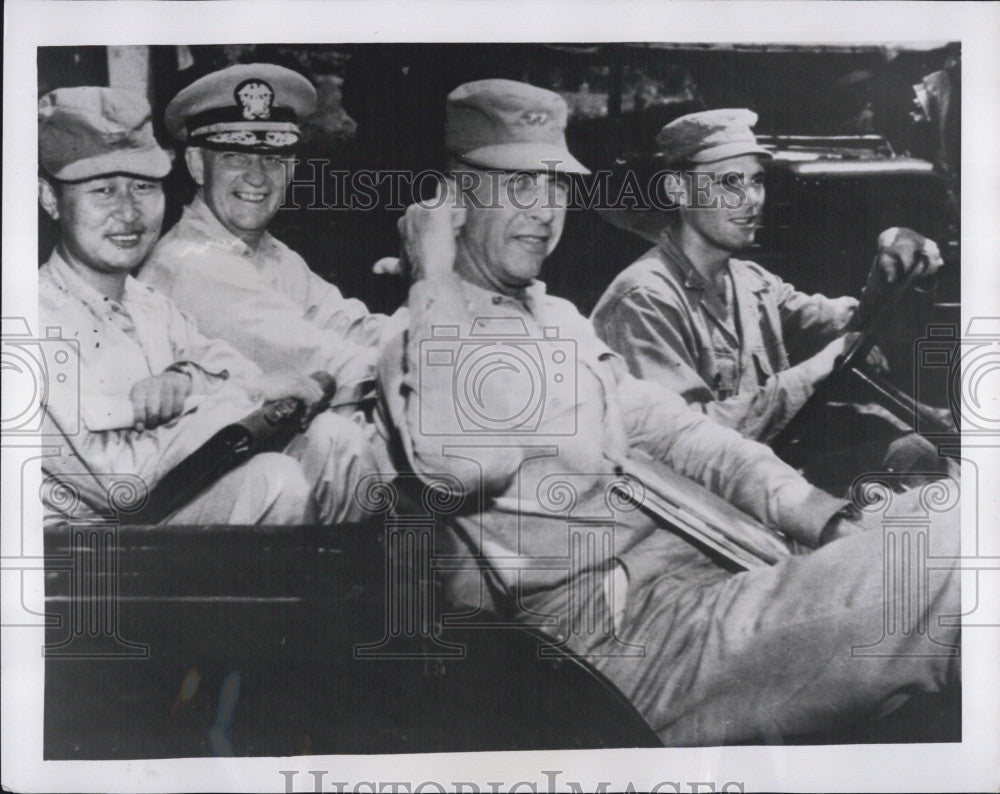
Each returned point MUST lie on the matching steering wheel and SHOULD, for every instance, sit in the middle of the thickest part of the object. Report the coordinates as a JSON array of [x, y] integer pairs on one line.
[[852, 369]]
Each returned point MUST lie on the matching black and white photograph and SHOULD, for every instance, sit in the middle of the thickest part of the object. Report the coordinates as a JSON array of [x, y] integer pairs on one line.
[[500, 397]]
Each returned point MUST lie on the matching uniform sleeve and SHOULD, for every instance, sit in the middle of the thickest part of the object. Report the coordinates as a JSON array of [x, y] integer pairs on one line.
[[259, 321], [90, 462], [809, 322], [743, 472], [416, 371], [349, 318], [209, 362], [650, 330]]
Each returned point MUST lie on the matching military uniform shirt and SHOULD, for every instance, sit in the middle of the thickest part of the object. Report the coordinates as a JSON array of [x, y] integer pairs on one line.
[[560, 462], [672, 327], [121, 343], [266, 302]]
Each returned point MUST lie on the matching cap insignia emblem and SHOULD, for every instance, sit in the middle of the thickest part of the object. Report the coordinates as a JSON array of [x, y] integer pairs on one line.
[[255, 97], [534, 117]]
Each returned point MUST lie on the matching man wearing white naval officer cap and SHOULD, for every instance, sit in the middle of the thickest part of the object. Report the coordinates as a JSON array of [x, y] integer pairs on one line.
[[241, 126]]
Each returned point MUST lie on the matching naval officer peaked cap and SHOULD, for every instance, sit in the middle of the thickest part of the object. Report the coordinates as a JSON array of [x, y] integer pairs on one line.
[[252, 107]]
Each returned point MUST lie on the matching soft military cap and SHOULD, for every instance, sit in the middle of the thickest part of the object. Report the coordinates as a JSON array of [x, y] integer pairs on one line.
[[248, 107], [91, 131], [509, 125], [709, 136]]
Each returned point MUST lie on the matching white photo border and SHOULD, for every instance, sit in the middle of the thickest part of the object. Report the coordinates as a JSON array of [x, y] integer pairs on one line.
[[974, 764]]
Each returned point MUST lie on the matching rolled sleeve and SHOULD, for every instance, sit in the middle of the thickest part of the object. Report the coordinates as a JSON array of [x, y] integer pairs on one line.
[[146, 454], [809, 322], [209, 363]]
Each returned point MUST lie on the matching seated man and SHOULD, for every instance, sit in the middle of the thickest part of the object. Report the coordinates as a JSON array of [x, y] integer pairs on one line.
[[221, 265], [707, 655], [734, 340], [101, 183]]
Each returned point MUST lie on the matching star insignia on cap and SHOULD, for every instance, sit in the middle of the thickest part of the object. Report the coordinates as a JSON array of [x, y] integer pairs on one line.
[[534, 117], [255, 96]]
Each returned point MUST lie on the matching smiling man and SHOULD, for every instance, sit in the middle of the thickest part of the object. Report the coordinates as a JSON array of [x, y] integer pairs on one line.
[[502, 397], [737, 342], [153, 389], [220, 263]]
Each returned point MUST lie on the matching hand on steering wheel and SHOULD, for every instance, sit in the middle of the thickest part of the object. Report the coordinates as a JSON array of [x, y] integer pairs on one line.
[[900, 250]]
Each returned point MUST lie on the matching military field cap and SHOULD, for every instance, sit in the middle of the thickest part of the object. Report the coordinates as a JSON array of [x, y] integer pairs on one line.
[[91, 131], [710, 135], [509, 125], [248, 107]]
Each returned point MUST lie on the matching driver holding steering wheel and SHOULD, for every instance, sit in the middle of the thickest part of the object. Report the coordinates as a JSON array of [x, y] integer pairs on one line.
[[736, 341]]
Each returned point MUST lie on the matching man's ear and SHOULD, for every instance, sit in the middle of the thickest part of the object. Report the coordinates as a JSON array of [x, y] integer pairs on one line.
[[675, 188], [48, 199], [194, 156]]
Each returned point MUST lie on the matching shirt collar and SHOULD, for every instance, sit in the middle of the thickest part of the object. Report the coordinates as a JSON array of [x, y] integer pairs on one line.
[[72, 283], [533, 302], [695, 280], [200, 215], [707, 295], [675, 254]]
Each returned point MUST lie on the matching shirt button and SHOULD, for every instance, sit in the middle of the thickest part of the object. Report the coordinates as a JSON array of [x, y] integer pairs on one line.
[[497, 300]]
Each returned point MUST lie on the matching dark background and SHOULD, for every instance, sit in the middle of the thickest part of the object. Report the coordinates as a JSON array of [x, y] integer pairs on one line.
[[619, 97]]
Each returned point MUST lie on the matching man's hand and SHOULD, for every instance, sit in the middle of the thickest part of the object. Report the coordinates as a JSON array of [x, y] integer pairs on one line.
[[843, 524], [428, 230], [839, 528], [158, 399], [901, 250], [277, 386], [820, 366]]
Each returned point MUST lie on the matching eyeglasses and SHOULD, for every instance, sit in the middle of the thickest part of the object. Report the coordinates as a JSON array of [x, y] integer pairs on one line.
[[523, 188], [272, 162]]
